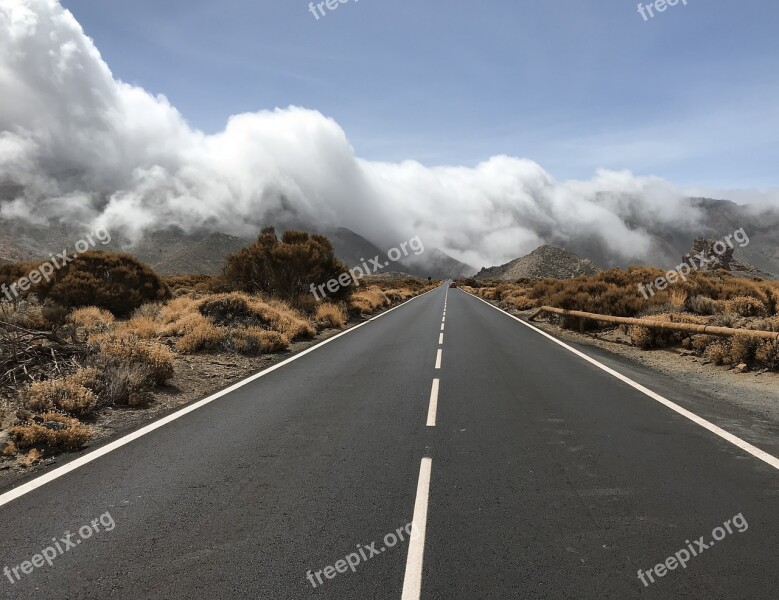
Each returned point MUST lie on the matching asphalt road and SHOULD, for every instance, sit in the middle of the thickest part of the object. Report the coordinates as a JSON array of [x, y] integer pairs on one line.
[[531, 473]]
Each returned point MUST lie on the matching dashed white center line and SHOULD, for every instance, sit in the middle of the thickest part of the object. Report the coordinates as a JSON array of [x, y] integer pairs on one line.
[[431, 412], [440, 338], [412, 582], [438, 358], [442, 326], [443, 319]]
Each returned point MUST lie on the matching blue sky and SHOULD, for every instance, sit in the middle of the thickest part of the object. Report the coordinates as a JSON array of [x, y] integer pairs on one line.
[[690, 95]]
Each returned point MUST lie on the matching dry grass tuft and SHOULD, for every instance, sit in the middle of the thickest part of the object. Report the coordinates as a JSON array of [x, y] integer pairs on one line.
[[158, 358], [70, 394], [207, 337], [91, 319], [331, 315], [53, 430]]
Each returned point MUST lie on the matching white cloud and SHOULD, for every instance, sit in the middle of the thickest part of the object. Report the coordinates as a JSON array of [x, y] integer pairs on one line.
[[85, 147]]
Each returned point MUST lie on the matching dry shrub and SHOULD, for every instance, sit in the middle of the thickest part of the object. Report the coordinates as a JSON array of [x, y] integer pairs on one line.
[[678, 298], [141, 326], [285, 268], [91, 319], [29, 459], [717, 352], [154, 355], [125, 383], [150, 310], [331, 315], [399, 294], [243, 310], [701, 305], [53, 430], [651, 337], [517, 300], [28, 313], [8, 450], [198, 284], [70, 394], [249, 341], [113, 281], [368, 300], [173, 310], [742, 349], [746, 306], [767, 354], [738, 349]]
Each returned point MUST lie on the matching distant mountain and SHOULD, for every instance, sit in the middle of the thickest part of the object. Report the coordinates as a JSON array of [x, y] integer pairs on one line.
[[719, 218], [545, 261], [175, 252], [437, 264]]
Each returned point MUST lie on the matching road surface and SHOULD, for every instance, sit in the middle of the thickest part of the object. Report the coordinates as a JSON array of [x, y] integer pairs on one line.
[[526, 470]]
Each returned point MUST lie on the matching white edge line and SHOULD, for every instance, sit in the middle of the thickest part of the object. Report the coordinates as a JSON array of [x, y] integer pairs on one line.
[[412, 581], [433, 410], [438, 357], [729, 437], [42, 480]]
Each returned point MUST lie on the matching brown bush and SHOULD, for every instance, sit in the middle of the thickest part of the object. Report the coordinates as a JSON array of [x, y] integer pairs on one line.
[[91, 319], [331, 315], [646, 337], [746, 306], [286, 268], [207, 337], [368, 300], [767, 354], [68, 394], [701, 305], [124, 383], [115, 282], [158, 358], [243, 310], [53, 430], [142, 327]]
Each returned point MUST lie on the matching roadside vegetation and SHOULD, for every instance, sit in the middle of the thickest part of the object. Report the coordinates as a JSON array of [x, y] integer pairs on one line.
[[712, 298], [107, 331]]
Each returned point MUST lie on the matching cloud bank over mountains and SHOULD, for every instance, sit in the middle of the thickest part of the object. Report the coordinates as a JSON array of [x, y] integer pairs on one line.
[[80, 146]]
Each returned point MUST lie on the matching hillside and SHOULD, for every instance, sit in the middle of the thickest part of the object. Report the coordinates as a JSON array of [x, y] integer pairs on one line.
[[545, 261], [176, 252]]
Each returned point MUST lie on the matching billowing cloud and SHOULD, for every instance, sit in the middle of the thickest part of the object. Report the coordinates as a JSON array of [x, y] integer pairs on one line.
[[78, 145]]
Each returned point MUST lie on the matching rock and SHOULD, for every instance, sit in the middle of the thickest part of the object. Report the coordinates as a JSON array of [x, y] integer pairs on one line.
[[55, 425], [742, 368]]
